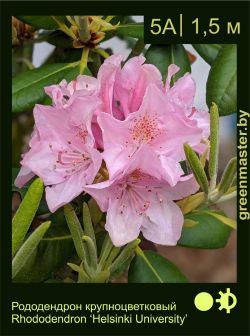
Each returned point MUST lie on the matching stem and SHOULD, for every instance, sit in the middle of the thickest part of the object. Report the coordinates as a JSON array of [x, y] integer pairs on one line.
[[84, 60], [139, 252], [25, 61], [137, 50], [102, 52]]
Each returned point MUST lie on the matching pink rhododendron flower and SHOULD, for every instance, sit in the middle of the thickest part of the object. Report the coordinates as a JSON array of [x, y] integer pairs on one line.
[[156, 132], [138, 125], [139, 202], [63, 152], [64, 94]]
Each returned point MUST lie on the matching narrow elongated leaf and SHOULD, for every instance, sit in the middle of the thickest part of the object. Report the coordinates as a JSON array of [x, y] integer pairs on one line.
[[152, 268], [214, 145], [222, 80], [25, 214], [53, 252], [208, 52], [28, 248], [163, 56], [209, 233], [28, 87], [228, 176], [75, 229], [44, 22], [43, 207], [87, 223], [135, 30], [196, 167]]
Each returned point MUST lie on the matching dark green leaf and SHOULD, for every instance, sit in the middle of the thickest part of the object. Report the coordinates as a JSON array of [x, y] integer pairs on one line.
[[54, 250], [163, 56], [222, 81], [44, 22], [60, 39], [209, 233], [141, 272], [208, 52], [28, 87], [135, 30]]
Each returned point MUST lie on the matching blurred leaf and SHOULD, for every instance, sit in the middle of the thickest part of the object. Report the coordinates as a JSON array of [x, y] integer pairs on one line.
[[26, 213], [163, 56], [28, 87], [224, 219], [44, 22], [135, 30], [210, 233], [28, 248], [208, 52], [153, 268], [222, 80], [54, 250], [189, 222], [60, 39]]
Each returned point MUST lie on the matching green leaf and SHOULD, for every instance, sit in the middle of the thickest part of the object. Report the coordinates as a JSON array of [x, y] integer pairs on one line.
[[196, 167], [26, 213], [208, 52], [28, 247], [43, 207], [28, 87], [54, 250], [135, 30], [214, 145], [222, 81], [151, 267], [209, 233], [228, 176], [163, 56], [44, 22], [75, 229], [60, 39]]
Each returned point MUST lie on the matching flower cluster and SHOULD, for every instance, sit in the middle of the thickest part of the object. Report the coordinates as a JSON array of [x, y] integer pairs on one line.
[[130, 124]]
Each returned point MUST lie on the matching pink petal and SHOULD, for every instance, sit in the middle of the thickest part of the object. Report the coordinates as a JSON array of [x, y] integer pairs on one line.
[[184, 90], [100, 192], [172, 70], [24, 175], [60, 194], [124, 225], [106, 77], [186, 187], [164, 223]]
